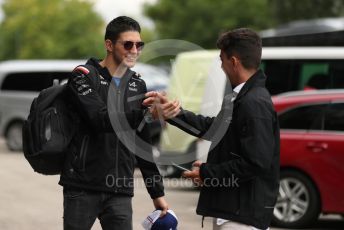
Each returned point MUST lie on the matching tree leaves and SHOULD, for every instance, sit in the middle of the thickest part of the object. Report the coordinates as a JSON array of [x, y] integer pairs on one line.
[[55, 29], [201, 21]]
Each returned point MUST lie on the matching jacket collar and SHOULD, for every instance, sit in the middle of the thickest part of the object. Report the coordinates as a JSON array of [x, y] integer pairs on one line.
[[257, 80], [105, 72]]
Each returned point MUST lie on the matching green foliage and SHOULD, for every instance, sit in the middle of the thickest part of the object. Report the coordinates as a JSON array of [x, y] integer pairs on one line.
[[289, 10], [54, 29], [148, 35], [201, 21]]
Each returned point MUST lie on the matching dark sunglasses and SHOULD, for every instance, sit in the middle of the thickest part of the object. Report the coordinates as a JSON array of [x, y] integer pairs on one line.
[[128, 45]]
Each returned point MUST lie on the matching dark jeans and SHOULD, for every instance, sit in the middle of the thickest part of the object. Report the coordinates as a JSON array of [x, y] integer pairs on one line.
[[81, 208]]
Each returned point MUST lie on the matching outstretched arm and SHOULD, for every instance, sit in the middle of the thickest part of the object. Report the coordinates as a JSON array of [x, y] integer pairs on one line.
[[160, 106], [171, 111]]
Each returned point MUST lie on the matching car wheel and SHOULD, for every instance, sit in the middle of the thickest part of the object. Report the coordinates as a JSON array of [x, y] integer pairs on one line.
[[14, 139], [298, 202]]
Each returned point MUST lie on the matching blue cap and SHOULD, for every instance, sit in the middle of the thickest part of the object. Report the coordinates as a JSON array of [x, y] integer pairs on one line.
[[167, 222]]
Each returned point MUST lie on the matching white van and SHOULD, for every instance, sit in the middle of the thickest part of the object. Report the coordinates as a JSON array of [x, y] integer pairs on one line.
[[22, 80], [198, 81]]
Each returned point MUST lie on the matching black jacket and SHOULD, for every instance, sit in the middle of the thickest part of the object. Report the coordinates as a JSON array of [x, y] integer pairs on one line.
[[241, 175], [98, 159]]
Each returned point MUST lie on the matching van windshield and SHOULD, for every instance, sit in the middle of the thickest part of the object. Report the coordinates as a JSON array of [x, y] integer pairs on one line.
[[32, 81]]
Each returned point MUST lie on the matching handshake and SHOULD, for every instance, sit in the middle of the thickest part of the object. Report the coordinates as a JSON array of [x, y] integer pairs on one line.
[[160, 107]]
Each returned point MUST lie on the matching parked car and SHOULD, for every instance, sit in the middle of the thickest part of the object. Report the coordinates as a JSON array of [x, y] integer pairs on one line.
[[312, 156], [22, 80]]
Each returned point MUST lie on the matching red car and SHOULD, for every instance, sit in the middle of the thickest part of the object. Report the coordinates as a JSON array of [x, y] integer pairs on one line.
[[312, 156]]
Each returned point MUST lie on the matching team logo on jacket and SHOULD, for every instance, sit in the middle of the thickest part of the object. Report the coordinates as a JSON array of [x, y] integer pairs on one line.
[[133, 86], [81, 85], [103, 81]]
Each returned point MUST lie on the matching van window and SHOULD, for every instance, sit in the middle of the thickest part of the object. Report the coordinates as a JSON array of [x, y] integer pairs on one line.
[[291, 75], [336, 73], [282, 75], [32, 81], [314, 75]]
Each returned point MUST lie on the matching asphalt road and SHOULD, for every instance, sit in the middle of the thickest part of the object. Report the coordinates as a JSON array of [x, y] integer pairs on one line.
[[30, 201]]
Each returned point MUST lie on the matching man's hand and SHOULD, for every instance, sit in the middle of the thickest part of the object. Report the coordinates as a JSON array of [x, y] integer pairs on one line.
[[154, 97], [160, 106], [194, 174], [161, 204]]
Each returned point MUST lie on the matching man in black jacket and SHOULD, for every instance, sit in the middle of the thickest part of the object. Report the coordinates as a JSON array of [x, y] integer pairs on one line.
[[97, 178], [240, 179]]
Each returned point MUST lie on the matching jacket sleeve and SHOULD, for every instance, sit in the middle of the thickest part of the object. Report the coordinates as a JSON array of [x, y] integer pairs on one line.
[[82, 87], [152, 178], [257, 146], [151, 175], [196, 125]]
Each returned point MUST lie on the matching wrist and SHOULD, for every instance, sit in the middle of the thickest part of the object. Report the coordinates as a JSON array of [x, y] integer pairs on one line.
[[148, 116]]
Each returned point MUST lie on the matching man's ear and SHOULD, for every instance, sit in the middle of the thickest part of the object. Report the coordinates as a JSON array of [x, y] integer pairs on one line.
[[235, 61], [108, 45]]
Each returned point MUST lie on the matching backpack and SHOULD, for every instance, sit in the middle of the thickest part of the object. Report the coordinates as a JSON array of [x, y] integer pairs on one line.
[[50, 128]]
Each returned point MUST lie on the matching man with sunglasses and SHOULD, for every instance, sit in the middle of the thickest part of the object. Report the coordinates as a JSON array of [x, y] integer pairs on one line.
[[97, 178]]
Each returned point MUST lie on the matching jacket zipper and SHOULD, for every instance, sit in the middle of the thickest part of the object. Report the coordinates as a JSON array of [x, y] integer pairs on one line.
[[116, 163], [117, 141], [83, 152], [118, 91]]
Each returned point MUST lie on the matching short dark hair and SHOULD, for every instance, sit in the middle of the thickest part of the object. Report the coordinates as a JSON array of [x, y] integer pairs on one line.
[[243, 43], [119, 25]]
